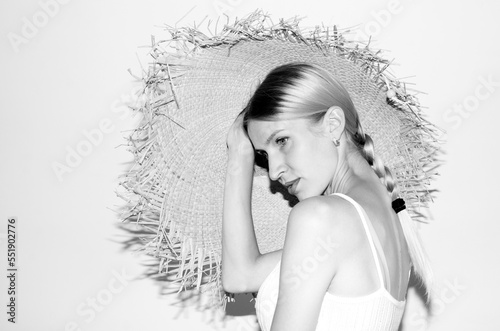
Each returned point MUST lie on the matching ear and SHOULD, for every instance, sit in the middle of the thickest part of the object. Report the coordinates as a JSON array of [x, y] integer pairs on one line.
[[334, 122]]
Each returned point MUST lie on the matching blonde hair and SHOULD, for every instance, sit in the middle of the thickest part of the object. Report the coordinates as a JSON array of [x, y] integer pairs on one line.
[[300, 90]]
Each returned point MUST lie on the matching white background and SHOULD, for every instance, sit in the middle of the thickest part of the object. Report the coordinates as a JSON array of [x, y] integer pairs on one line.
[[69, 75]]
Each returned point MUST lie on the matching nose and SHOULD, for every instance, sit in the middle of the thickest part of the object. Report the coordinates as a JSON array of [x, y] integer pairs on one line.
[[277, 167]]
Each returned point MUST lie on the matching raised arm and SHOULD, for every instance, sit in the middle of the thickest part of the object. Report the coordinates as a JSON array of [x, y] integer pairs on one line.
[[243, 267]]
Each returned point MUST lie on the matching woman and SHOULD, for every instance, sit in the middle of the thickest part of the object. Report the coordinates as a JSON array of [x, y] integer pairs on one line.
[[346, 262]]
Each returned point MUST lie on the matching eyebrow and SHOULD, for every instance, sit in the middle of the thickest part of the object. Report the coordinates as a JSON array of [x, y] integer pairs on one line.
[[272, 136]]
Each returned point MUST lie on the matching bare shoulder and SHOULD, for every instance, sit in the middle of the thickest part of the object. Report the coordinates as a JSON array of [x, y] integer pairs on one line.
[[323, 211], [321, 229], [321, 216]]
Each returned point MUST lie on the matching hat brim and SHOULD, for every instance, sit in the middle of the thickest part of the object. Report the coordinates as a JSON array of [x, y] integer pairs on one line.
[[194, 93]]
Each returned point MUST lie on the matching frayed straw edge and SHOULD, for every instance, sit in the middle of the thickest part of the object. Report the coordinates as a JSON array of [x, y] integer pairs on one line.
[[189, 264]]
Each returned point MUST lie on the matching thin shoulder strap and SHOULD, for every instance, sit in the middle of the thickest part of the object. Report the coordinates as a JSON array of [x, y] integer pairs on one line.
[[368, 234]]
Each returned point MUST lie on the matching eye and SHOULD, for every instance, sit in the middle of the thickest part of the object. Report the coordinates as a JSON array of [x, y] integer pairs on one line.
[[281, 141]]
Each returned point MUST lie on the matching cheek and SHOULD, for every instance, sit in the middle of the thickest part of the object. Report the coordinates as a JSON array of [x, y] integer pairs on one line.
[[325, 156], [318, 157]]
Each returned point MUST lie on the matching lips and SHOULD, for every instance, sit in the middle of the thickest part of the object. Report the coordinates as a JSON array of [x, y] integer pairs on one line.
[[292, 185]]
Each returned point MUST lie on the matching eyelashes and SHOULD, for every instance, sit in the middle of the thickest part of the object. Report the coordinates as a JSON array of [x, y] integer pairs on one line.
[[281, 141]]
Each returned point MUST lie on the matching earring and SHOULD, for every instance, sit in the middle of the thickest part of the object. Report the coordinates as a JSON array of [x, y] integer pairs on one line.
[[336, 142]]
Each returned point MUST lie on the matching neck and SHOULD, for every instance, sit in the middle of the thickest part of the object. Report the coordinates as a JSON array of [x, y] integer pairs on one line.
[[350, 170]]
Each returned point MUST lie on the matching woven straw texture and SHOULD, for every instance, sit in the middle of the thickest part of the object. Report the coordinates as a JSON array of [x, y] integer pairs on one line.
[[194, 90]]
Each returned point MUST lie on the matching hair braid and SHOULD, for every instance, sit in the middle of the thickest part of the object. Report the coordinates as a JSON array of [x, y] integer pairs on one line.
[[365, 143], [417, 253]]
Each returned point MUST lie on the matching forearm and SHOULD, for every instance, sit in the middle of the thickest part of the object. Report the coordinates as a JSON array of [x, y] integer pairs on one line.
[[239, 244]]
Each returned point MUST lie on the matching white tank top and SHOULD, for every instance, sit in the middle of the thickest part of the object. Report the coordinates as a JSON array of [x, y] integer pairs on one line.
[[377, 311]]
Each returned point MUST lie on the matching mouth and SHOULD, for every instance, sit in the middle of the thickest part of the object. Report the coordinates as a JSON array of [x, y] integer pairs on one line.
[[291, 186]]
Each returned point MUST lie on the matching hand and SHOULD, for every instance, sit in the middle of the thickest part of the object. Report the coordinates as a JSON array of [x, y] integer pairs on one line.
[[237, 139]]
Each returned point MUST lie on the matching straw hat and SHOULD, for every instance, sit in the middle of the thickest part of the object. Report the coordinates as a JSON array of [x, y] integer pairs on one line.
[[193, 91]]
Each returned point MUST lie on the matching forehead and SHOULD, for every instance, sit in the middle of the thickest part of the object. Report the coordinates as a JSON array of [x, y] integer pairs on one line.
[[259, 131], [257, 127]]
